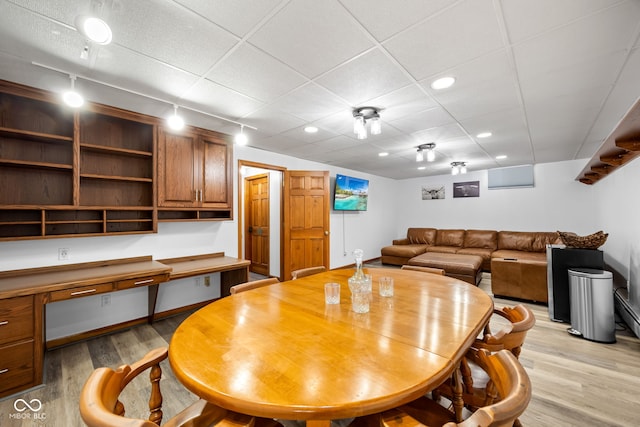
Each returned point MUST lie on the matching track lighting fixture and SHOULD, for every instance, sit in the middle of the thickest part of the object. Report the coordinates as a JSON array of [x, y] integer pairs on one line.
[[174, 121], [71, 97], [241, 138]]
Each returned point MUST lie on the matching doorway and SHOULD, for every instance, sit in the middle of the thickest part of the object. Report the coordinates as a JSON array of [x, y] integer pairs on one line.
[[299, 226], [256, 219], [260, 207]]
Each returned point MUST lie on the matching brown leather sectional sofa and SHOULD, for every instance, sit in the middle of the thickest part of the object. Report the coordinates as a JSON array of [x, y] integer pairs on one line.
[[516, 259]]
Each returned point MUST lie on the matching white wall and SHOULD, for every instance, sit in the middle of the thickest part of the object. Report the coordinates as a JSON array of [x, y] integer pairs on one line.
[[556, 202], [617, 210]]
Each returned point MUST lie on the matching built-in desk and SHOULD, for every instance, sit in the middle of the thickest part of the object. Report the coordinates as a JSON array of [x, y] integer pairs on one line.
[[24, 294]]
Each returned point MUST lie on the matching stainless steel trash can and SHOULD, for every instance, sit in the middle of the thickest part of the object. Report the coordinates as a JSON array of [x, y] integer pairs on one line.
[[591, 301]]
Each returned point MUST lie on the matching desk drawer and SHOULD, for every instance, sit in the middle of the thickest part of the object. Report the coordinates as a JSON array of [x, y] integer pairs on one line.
[[16, 319], [83, 291], [16, 365], [141, 281]]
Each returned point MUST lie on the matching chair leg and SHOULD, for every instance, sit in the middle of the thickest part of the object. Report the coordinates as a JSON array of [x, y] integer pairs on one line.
[[457, 399], [155, 401]]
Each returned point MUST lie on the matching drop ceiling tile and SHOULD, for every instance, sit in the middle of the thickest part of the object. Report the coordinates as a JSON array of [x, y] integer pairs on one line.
[[272, 121], [29, 36], [114, 64], [215, 99], [312, 36], [504, 125], [384, 18], [171, 34], [466, 31], [439, 133], [525, 18], [621, 98], [595, 36], [426, 119], [483, 85], [580, 77], [402, 102], [368, 76], [310, 103], [236, 17], [299, 134], [253, 73]]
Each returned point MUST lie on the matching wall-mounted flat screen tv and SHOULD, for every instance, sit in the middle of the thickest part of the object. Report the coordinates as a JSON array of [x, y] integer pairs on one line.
[[351, 194]]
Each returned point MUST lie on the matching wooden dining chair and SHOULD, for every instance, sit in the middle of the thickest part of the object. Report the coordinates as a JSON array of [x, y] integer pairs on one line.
[[253, 285], [478, 389], [431, 270], [100, 405], [511, 381], [303, 272]]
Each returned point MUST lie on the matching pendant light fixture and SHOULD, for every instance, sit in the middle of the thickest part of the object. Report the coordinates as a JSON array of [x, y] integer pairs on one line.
[[360, 117], [458, 168], [71, 97], [431, 155]]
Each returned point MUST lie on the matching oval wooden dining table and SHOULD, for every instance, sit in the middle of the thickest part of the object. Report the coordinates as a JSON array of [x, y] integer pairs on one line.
[[280, 352]]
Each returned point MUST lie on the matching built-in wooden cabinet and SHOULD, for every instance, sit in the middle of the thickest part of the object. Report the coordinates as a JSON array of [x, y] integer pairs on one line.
[[20, 342], [93, 171], [194, 176]]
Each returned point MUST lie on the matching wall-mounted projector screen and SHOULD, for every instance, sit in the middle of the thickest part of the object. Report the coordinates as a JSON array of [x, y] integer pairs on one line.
[[510, 177]]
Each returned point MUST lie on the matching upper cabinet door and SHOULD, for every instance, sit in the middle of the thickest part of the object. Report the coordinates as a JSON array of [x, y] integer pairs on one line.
[[194, 170], [216, 173], [178, 169]]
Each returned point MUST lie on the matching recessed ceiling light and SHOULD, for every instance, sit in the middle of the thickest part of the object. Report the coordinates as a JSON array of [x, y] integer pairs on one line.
[[484, 134], [443, 83], [311, 129], [421, 168], [501, 157], [94, 28], [383, 154]]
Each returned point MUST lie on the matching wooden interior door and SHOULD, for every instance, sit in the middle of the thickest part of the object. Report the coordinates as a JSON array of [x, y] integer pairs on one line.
[[306, 220], [257, 223]]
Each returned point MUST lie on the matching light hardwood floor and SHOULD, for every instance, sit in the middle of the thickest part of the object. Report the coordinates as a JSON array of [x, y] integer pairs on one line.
[[575, 382]]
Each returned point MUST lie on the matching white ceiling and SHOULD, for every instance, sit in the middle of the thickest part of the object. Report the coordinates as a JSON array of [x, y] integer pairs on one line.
[[549, 78]]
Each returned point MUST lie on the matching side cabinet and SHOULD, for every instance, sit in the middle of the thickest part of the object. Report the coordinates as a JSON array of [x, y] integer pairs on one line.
[[20, 343], [194, 176]]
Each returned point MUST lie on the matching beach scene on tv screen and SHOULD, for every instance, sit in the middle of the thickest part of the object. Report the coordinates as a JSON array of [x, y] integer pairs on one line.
[[351, 194]]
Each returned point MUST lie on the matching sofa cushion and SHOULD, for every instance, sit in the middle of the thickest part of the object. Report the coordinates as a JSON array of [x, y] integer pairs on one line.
[[481, 239], [542, 239], [422, 236], [515, 240], [404, 251], [450, 238]]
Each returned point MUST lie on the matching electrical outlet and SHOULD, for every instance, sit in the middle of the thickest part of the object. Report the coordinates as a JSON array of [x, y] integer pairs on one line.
[[63, 254], [198, 282], [106, 300], [207, 281]]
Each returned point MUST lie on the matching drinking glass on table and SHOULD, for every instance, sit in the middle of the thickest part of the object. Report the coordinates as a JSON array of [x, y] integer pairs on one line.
[[332, 293]]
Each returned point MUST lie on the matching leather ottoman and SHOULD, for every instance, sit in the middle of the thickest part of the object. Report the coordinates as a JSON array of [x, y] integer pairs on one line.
[[463, 267]]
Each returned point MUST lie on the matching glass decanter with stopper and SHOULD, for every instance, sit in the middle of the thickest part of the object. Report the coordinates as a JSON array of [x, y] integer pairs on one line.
[[359, 280]]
